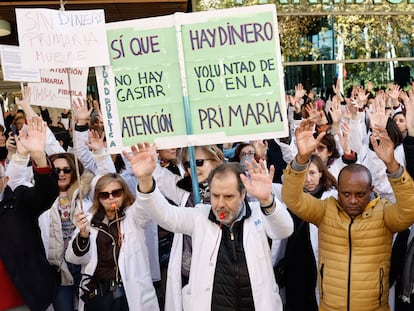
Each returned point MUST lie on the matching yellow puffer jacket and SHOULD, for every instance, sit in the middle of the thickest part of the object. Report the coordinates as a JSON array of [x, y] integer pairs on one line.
[[354, 254]]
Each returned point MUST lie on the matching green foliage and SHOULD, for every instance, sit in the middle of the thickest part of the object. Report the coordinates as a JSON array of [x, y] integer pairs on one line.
[[364, 36]]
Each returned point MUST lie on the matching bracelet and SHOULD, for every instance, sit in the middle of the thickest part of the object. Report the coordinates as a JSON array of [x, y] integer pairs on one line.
[[270, 205], [81, 128]]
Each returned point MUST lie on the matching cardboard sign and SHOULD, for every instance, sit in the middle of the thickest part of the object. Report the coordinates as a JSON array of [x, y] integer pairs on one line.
[[62, 39], [11, 65], [55, 89], [194, 79]]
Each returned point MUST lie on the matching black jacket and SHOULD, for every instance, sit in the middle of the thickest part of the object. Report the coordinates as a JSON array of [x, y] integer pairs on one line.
[[408, 145], [400, 244], [300, 269], [21, 246], [232, 289]]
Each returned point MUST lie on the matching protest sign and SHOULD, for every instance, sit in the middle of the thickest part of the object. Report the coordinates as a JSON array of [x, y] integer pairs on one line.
[[140, 93], [55, 89], [234, 74], [11, 65], [62, 39], [195, 78]]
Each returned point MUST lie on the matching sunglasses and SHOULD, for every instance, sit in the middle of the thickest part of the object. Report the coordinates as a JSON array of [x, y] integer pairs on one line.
[[115, 194], [199, 163], [65, 170]]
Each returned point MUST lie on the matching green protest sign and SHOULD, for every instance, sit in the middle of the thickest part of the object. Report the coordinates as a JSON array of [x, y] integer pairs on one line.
[[142, 87], [219, 70]]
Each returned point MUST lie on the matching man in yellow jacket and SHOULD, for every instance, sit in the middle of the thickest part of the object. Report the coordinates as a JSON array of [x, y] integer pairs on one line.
[[355, 230]]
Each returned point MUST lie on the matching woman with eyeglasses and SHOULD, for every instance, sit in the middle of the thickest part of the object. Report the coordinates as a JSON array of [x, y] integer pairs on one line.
[[57, 225], [246, 151], [109, 244], [180, 191]]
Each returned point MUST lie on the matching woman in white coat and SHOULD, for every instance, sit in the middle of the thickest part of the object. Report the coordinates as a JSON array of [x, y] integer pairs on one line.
[[109, 244]]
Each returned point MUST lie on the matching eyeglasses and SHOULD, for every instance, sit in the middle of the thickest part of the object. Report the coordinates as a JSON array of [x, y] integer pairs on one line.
[[320, 148], [199, 163], [249, 154], [65, 170], [104, 195]]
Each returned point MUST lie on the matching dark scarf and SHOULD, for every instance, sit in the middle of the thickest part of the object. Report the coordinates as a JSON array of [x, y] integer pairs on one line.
[[317, 193]]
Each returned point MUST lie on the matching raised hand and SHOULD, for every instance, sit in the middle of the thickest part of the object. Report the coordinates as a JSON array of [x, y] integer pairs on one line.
[[393, 95], [305, 140], [313, 112], [82, 113], [361, 97], [379, 116], [344, 138], [336, 114], [299, 91], [409, 111], [96, 141], [143, 160], [384, 148], [259, 184], [32, 139], [25, 101]]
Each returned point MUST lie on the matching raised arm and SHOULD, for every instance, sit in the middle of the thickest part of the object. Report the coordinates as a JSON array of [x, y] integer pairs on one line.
[[259, 185], [32, 141], [384, 148], [305, 140], [51, 145], [409, 139], [143, 160]]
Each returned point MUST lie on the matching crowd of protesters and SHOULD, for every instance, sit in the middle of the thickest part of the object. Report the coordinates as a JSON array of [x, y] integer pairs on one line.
[[321, 219]]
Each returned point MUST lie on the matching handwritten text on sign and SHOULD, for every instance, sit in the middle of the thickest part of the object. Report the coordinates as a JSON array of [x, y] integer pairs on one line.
[[203, 78], [53, 89], [233, 71], [51, 38], [143, 84]]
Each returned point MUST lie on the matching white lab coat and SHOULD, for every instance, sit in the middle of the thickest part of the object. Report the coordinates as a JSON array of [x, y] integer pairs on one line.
[[194, 221]]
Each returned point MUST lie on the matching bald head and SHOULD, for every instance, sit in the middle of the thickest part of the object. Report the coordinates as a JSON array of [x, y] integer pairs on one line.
[[354, 189], [355, 168]]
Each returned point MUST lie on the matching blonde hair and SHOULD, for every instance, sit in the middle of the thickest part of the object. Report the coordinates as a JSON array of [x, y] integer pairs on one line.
[[212, 151]]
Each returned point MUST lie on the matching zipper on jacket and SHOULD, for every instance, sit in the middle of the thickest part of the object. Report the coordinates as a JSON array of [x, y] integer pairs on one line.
[[233, 245], [321, 273], [117, 278], [381, 285], [236, 269], [349, 266]]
